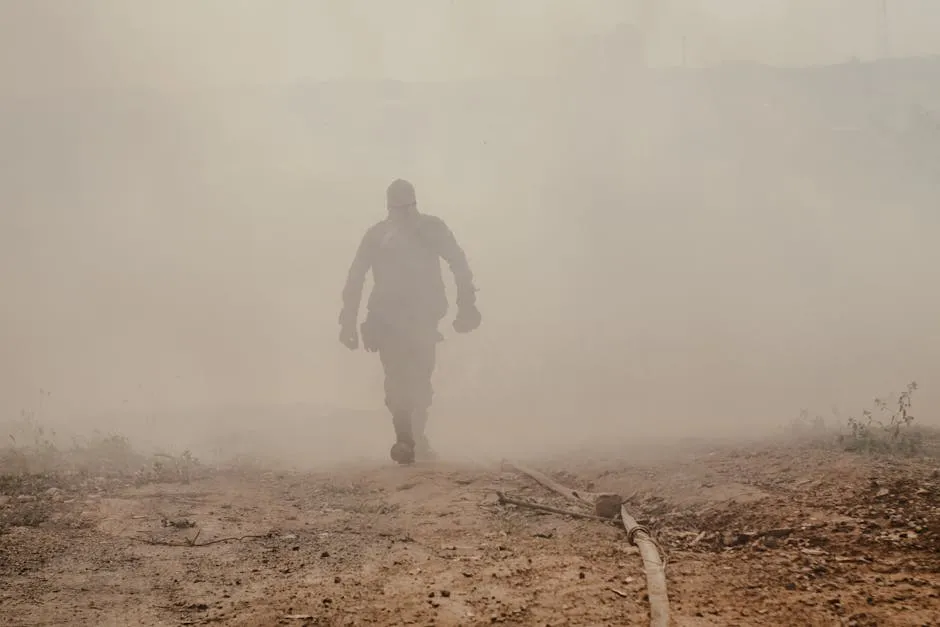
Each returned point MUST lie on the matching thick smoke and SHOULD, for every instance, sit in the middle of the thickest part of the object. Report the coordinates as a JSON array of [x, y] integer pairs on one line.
[[678, 250]]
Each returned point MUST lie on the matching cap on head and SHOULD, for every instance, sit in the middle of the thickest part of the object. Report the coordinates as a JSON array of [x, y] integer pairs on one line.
[[400, 195]]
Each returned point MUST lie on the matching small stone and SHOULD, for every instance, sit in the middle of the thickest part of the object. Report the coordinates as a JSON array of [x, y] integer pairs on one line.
[[731, 539], [445, 594], [325, 554], [608, 505]]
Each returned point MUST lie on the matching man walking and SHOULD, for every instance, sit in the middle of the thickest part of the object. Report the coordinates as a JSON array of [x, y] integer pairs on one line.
[[405, 307]]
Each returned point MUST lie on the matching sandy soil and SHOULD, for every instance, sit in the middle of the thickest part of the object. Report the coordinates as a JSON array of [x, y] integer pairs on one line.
[[754, 535]]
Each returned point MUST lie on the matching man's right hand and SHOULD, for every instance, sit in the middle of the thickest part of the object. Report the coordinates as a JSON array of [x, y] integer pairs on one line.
[[468, 319], [349, 336]]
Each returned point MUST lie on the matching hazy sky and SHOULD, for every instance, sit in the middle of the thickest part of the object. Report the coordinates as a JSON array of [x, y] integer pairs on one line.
[[250, 41]]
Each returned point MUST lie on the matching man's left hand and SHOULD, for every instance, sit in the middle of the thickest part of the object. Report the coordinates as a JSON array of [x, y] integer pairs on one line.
[[349, 336], [468, 319]]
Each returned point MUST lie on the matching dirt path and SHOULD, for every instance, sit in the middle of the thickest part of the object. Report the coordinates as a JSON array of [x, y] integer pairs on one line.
[[753, 537]]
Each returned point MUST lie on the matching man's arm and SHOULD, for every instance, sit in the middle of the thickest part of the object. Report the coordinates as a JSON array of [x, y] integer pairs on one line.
[[355, 279], [451, 252]]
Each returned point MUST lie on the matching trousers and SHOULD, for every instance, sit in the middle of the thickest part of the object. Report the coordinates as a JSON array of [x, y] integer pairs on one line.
[[409, 357]]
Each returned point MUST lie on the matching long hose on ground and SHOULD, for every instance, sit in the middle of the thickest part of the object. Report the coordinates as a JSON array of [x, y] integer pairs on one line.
[[636, 533]]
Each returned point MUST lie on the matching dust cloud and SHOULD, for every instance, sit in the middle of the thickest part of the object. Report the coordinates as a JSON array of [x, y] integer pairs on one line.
[[684, 218]]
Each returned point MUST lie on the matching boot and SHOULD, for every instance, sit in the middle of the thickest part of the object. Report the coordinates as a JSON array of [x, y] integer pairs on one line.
[[403, 451], [423, 450]]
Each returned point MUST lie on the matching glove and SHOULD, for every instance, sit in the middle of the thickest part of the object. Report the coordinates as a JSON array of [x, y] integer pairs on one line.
[[371, 332], [349, 336], [468, 319]]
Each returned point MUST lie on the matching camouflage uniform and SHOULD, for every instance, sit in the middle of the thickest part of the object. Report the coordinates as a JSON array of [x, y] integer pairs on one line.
[[407, 302]]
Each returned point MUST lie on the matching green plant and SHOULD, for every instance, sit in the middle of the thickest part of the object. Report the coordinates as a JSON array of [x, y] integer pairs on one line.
[[892, 432]]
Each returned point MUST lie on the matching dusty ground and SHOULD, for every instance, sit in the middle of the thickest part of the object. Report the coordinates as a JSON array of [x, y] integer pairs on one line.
[[755, 535]]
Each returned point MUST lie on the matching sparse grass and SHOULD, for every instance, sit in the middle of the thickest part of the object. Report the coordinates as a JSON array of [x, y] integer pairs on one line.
[[39, 476], [888, 428], [104, 455], [33, 450], [30, 514]]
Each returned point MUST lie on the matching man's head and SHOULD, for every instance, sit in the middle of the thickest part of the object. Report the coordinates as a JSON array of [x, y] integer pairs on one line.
[[400, 199]]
